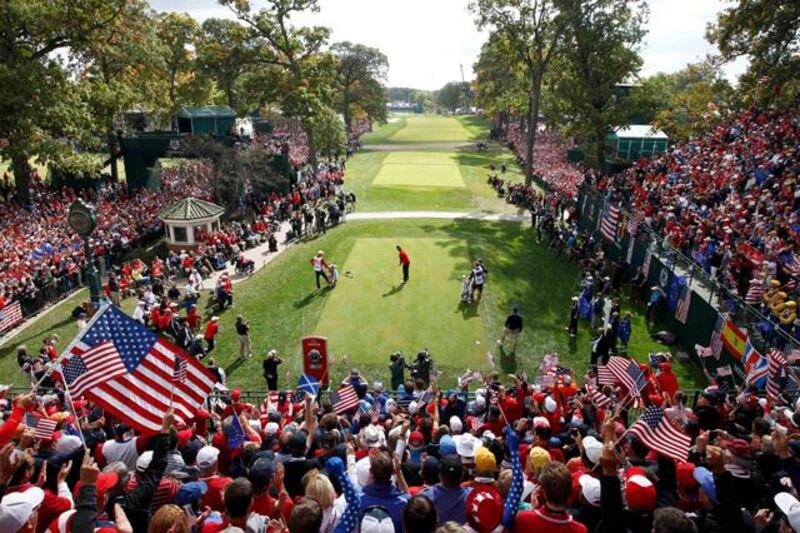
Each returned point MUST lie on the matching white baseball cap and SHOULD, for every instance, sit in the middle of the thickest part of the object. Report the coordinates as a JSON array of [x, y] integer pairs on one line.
[[590, 488], [593, 448], [207, 457], [455, 424], [788, 504], [271, 428], [372, 437], [16, 508], [467, 445], [144, 461]]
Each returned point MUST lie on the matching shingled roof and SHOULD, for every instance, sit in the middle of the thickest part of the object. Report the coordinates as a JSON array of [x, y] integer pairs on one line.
[[190, 209]]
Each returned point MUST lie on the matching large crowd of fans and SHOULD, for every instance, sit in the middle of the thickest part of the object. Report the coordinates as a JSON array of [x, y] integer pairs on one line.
[[552, 452]]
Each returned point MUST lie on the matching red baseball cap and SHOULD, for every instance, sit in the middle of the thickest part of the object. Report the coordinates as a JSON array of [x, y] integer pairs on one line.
[[484, 510], [640, 493], [685, 475], [416, 437], [235, 394]]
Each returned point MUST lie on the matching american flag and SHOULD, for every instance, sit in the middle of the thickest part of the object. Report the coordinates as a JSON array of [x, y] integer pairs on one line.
[[608, 226], [628, 373], [600, 400], [655, 431], [776, 361], [635, 220], [684, 301], [656, 359], [10, 316], [92, 367], [181, 366], [344, 399], [42, 427], [604, 375], [375, 411], [144, 391], [755, 292], [511, 505], [716, 337]]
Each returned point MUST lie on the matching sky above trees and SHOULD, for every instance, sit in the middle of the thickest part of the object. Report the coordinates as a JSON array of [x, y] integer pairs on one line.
[[426, 40]]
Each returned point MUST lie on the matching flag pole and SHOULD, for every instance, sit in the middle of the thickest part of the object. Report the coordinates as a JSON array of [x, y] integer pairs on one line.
[[68, 394], [71, 345]]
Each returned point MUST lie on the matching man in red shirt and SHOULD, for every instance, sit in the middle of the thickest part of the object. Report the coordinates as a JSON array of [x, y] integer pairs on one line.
[[405, 262], [553, 516]]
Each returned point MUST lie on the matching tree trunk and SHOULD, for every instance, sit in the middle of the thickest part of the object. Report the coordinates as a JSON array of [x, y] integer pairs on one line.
[[312, 149], [346, 114], [533, 125], [600, 145], [111, 139], [22, 177]]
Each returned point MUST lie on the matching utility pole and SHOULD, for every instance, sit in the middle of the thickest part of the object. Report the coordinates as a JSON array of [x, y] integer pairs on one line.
[[466, 88]]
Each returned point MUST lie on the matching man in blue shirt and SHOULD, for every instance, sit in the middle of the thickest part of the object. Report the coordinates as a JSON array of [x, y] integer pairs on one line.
[[382, 493], [448, 496]]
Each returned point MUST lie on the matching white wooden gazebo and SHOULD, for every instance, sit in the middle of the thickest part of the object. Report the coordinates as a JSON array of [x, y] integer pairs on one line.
[[188, 221]]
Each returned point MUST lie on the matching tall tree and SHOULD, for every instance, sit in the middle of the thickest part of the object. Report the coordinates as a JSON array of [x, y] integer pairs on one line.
[[179, 34], [329, 133], [767, 32], [534, 30], [602, 37], [225, 53], [452, 96], [306, 72], [38, 111], [501, 80], [359, 75], [121, 67]]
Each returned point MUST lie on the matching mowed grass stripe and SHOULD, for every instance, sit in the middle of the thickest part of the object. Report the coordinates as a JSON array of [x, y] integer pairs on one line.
[[414, 169], [431, 128], [372, 314]]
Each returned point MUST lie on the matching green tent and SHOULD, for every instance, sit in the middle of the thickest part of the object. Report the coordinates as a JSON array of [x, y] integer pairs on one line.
[[631, 143], [213, 119]]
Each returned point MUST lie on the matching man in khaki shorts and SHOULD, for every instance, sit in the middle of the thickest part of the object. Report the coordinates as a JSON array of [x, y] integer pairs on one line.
[[513, 328]]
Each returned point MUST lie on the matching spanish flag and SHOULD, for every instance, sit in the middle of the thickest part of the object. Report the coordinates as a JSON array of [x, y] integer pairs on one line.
[[734, 339]]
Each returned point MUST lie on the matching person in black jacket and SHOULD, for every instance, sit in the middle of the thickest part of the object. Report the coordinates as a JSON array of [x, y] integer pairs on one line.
[[136, 504]]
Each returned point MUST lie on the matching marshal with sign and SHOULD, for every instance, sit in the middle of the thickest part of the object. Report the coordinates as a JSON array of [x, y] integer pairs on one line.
[[315, 358]]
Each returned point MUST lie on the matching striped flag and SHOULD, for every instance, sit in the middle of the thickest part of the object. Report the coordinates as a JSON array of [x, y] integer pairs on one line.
[[655, 431], [604, 376], [180, 369], [344, 399], [755, 292], [142, 393], [628, 373], [684, 301], [42, 427], [634, 221], [10, 316], [97, 364], [776, 361], [600, 400], [608, 226], [715, 345]]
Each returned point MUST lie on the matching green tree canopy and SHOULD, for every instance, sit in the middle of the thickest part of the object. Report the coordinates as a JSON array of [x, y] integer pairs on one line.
[[360, 72]]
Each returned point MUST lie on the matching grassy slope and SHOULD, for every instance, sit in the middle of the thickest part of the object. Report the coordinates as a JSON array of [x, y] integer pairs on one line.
[[283, 306]]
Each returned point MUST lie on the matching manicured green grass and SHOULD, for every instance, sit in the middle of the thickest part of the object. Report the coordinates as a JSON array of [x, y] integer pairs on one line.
[[363, 177], [432, 129], [373, 313], [430, 169], [283, 304]]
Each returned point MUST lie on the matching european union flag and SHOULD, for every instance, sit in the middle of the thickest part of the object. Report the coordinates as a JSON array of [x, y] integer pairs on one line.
[[235, 434]]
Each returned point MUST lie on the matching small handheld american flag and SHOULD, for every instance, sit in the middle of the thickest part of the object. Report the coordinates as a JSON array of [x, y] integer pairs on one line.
[[42, 427]]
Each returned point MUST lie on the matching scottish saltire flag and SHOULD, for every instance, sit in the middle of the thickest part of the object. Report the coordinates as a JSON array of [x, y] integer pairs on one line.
[[755, 367], [307, 385]]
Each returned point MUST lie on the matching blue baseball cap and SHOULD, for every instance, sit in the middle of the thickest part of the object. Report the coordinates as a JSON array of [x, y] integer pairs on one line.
[[705, 479], [191, 492], [447, 446]]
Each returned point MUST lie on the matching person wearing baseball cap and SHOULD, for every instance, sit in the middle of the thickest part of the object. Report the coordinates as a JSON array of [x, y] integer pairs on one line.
[[382, 492], [448, 496], [19, 511], [789, 507], [484, 509], [206, 462]]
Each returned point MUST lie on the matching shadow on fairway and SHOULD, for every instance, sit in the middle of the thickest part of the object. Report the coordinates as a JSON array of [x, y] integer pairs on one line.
[[508, 361], [467, 310], [310, 297], [394, 290], [231, 368]]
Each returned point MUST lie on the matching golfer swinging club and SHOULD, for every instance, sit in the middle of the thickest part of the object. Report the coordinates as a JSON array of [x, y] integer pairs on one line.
[[405, 262]]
